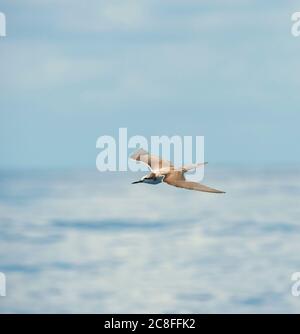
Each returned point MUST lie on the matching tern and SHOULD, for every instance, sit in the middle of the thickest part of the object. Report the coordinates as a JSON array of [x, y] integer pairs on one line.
[[164, 171]]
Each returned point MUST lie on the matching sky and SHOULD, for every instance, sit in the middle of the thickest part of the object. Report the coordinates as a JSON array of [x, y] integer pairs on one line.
[[71, 71]]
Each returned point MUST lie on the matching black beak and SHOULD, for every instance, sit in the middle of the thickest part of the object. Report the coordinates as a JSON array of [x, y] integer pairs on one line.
[[139, 181]]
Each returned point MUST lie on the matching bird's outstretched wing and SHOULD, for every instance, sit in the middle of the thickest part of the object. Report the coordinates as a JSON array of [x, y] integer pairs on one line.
[[153, 161], [194, 186], [178, 180], [193, 166]]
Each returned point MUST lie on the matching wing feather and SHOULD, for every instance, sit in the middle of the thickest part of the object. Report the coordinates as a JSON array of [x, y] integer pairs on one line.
[[153, 161], [186, 168], [191, 185]]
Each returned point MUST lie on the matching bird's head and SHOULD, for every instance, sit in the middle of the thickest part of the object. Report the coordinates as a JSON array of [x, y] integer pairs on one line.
[[141, 180]]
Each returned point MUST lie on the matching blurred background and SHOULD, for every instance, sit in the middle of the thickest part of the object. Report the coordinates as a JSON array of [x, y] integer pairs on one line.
[[76, 240]]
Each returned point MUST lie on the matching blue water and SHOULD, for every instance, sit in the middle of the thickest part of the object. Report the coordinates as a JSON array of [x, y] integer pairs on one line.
[[81, 241]]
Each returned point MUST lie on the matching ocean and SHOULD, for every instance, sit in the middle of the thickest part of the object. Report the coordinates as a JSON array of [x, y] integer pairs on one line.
[[91, 242]]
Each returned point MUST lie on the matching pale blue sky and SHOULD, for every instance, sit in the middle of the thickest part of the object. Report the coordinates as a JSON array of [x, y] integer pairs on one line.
[[71, 71]]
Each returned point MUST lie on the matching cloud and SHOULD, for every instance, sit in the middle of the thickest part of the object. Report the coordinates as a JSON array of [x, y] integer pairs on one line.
[[45, 65], [94, 16], [220, 69]]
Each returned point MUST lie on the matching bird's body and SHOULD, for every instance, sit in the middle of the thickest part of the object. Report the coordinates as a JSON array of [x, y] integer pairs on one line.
[[164, 171]]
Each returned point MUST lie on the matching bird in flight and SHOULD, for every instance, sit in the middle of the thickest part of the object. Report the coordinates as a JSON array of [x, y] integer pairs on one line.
[[163, 171]]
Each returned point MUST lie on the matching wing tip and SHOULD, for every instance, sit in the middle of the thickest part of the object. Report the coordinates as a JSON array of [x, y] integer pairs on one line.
[[216, 191], [136, 155]]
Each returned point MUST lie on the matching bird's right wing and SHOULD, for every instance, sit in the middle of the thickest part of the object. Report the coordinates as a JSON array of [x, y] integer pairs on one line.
[[193, 166], [191, 185], [153, 161]]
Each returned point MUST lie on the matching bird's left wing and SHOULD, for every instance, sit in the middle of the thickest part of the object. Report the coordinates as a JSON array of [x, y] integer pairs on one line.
[[191, 185], [153, 161]]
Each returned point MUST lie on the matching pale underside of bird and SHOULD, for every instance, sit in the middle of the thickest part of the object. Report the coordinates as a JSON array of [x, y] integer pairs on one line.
[[164, 171]]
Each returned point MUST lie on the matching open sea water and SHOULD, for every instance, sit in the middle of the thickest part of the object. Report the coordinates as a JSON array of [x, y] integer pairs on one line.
[[82, 241]]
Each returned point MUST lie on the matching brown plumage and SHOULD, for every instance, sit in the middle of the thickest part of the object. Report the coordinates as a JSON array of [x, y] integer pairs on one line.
[[164, 171]]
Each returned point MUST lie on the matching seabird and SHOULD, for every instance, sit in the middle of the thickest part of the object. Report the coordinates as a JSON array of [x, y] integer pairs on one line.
[[164, 171]]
